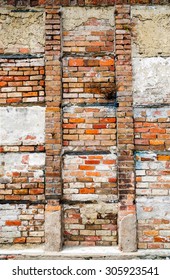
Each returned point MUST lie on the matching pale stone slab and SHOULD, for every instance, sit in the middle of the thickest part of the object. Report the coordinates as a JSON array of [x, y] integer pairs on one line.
[[24, 125], [151, 34], [151, 83], [53, 230], [127, 233]]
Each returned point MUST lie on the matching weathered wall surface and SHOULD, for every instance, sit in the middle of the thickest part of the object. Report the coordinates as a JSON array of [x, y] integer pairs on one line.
[[27, 34], [90, 177], [152, 128], [21, 224], [151, 63], [22, 125], [84, 116], [151, 80], [90, 225], [89, 128], [89, 124], [151, 25], [151, 71]]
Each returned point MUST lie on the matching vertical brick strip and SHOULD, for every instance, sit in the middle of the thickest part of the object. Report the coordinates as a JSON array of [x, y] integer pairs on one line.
[[125, 130], [53, 126], [53, 101]]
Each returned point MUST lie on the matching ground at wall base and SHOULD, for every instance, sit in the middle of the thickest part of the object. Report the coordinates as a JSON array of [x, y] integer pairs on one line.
[[79, 253]]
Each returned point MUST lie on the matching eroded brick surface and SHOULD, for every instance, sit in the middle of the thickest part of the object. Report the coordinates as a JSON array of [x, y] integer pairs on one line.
[[90, 177], [22, 176], [89, 79], [152, 128], [152, 174], [153, 222], [88, 30], [89, 128], [21, 224], [90, 225]]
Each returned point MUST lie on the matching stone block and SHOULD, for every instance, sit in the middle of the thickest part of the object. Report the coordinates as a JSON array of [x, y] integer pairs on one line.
[[127, 233]]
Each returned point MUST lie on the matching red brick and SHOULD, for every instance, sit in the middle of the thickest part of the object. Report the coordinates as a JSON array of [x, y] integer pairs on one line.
[[19, 240], [13, 223], [86, 167], [87, 191], [76, 62]]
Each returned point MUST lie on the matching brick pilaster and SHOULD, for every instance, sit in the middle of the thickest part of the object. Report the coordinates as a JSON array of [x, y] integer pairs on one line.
[[125, 131], [53, 127], [53, 101]]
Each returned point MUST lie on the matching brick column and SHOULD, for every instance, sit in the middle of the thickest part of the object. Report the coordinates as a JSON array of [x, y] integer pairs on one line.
[[125, 131], [53, 125]]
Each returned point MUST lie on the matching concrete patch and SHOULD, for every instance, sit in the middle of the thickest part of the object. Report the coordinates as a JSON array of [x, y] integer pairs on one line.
[[53, 230]]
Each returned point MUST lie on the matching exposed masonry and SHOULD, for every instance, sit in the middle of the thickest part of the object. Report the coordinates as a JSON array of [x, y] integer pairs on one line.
[[89, 79], [89, 128], [152, 129], [89, 177], [90, 225], [22, 80], [84, 113], [22, 223], [152, 122]]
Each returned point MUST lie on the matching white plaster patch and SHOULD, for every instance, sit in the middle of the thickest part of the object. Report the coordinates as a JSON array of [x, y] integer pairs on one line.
[[151, 83], [160, 207], [22, 125], [23, 162]]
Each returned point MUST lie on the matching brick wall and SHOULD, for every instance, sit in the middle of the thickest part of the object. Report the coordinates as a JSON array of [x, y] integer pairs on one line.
[[22, 80], [90, 225], [152, 121], [84, 114], [21, 223], [89, 126], [22, 121]]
